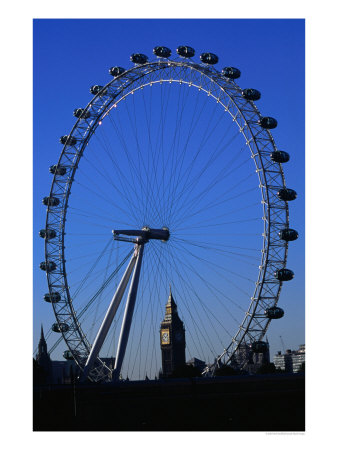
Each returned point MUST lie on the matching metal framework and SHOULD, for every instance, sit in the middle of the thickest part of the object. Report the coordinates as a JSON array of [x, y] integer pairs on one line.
[[260, 143]]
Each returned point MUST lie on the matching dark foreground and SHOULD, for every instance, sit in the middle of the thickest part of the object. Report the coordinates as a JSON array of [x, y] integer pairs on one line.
[[242, 403]]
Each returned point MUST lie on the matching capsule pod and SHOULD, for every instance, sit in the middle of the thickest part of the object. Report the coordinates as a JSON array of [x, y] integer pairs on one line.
[[47, 234], [138, 58], [284, 274], [48, 267], [67, 354], [50, 201], [209, 58], [57, 170], [288, 234], [251, 94], [116, 71], [280, 156], [185, 52], [68, 140], [162, 52], [54, 297], [80, 113], [63, 327], [259, 346], [231, 72], [274, 312], [268, 123], [97, 89], [287, 194]]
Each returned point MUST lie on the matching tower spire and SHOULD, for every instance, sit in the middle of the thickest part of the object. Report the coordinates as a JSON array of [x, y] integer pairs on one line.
[[171, 302], [42, 356], [172, 335]]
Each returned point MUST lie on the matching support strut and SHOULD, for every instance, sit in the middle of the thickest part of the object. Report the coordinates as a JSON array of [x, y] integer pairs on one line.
[[101, 335], [128, 315], [141, 238]]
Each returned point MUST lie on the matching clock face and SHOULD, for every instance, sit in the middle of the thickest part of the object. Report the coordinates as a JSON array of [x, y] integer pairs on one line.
[[165, 336]]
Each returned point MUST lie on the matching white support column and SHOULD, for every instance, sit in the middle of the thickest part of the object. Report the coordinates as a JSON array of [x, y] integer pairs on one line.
[[128, 315], [101, 335]]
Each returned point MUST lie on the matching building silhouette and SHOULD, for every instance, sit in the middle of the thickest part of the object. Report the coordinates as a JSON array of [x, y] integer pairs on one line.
[[291, 360], [172, 338], [246, 360], [46, 371], [197, 363], [43, 366]]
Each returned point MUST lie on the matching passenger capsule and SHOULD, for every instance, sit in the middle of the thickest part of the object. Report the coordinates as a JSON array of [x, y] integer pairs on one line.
[[138, 58], [251, 94], [97, 89], [259, 346], [209, 58], [280, 156], [274, 312], [80, 113], [48, 267], [57, 170], [284, 274], [116, 71], [47, 234], [287, 194], [185, 52], [231, 72], [63, 327], [162, 52], [50, 201], [288, 234], [68, 140], [67, 354], [268, 123], [54, 297]]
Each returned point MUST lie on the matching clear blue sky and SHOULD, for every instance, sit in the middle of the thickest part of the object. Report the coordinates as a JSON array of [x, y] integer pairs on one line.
[[72, 55]]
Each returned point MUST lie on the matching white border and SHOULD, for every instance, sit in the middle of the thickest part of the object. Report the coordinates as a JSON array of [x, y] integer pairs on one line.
[[321, 189]]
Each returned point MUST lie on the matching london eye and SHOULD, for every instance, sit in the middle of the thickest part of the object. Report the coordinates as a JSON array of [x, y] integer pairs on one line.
[[170, 176]]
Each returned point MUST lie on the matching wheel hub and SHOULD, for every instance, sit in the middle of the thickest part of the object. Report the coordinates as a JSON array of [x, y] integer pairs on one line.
[[144, 235]]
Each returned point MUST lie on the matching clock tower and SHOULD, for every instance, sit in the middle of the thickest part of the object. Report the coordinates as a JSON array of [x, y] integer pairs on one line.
[[172, 334]]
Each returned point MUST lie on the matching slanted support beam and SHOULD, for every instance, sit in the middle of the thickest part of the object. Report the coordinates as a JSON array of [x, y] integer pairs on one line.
[[101, 335], [128, 315]]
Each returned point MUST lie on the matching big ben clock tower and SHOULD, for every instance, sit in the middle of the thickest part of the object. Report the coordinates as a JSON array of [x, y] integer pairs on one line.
[[172, 338]]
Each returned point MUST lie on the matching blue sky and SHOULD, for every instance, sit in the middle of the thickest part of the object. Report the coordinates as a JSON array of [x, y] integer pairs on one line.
[[72, 55]]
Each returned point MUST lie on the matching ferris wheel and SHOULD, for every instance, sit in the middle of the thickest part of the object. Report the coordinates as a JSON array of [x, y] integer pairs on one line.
[[170, 176]]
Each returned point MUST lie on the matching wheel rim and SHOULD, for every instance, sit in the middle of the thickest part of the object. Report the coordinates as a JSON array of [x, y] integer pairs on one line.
[[227, 95]]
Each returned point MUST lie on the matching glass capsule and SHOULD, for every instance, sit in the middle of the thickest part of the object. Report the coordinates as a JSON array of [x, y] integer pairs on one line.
[[288, 234], [268, 123], [287, 194], [284, 274], [54, 297], [138, 58], [231, 72], [274, 312], [209, 58], [280, 156], [251, 94], [116, 71], [162, 52], [185, 51]]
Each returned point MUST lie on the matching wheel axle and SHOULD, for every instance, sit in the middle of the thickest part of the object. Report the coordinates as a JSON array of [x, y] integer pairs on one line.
[[145, 234]]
